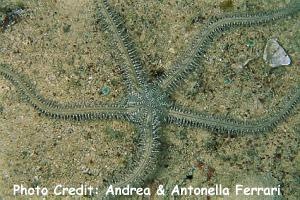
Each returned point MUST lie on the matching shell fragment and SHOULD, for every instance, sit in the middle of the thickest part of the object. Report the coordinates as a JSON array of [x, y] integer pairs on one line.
[[275, 55]]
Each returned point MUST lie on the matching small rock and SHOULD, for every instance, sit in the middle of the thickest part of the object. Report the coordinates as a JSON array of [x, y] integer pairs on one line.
[[250, 43], [275, 55]]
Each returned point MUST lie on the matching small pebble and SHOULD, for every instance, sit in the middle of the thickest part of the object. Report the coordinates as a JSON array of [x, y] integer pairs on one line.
[[105, 90], [250, 43], [66, 28]]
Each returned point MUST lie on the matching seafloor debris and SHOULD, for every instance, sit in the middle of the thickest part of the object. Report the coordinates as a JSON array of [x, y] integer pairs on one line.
[[239, 66], [11, 18], [275, 55]]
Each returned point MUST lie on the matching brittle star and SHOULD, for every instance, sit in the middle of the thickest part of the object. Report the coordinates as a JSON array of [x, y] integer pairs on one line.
[[148, 105]]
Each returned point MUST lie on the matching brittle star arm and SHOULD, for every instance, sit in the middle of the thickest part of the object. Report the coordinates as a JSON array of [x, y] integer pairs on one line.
[[144, 161], [185, 117], [133, 73], [193, 56], [56, 110]]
